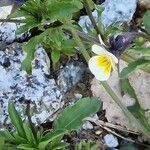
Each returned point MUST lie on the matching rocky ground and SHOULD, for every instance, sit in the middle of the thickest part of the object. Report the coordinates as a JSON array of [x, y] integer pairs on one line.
[[48, 92]]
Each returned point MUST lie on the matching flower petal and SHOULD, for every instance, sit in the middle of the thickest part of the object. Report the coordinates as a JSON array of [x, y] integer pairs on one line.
[[99, 71], [113, 57], [114, 60], [98, 49]]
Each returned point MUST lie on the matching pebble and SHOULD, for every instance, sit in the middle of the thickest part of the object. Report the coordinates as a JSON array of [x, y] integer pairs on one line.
[[111, 141]]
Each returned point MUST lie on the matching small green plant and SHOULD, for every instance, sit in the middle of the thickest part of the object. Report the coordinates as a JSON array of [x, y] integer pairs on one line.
[[83, 145], [25, 136]]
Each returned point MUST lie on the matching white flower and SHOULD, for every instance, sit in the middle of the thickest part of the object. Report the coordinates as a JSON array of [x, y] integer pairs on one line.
[[102, 64]]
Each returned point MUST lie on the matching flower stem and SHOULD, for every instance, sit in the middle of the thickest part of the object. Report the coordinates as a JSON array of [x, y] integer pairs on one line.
[[89, 13], [131, 118]]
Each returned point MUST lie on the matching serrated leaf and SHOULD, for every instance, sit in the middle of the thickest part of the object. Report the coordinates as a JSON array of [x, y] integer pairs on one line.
[[134, 65], [16, 119], [26, 147], [63, 10], [50, 137], [29, 134], [135, 109], [55, 56], [72, 117], [146, 20], [31, 15]]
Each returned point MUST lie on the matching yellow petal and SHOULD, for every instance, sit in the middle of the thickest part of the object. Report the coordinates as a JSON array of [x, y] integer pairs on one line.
[[101, 50], [100, 66]]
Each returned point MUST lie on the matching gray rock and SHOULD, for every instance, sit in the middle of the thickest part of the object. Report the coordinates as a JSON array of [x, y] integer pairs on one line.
[[8, 35], [84, 21], [71, 74], [118, 10], [115, 11], [16, 85]]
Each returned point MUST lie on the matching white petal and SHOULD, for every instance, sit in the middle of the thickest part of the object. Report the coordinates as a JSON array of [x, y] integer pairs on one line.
[[113, 57], [98, 71], [98, 49]]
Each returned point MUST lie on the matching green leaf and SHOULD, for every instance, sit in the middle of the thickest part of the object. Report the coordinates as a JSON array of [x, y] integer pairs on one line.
[[2, 141], [16, 119], [145, 51], [60, 146], [128, 148], [72, 117], [134, 65], [50, 137], [26, 147], [39, 136], [68, 47], [8, 136], [63, 10], [111, 30], [30, 49], [26, 27], [135, 109], [146, 20], [100, 9], [32, 11], [29, 134], [19, 139], [55, 56]]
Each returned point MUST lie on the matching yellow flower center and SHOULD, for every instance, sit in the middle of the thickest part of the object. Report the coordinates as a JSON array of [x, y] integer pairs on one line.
[[104, 61]]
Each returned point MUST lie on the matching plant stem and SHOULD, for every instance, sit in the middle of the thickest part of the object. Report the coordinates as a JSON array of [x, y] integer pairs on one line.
[[79, 43], [12, 20], [132, 119], [108, 89], [89, 13], [30, 121]]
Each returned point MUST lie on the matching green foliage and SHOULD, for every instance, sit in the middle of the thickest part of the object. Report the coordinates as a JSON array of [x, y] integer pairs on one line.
[[128, 148], [135, 109], [146, 21], [72, 117], [32, 13], [50, 137], [48, 16], [83, 145], [16, 119], [134, 65], [2, 140], [24, 138]]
